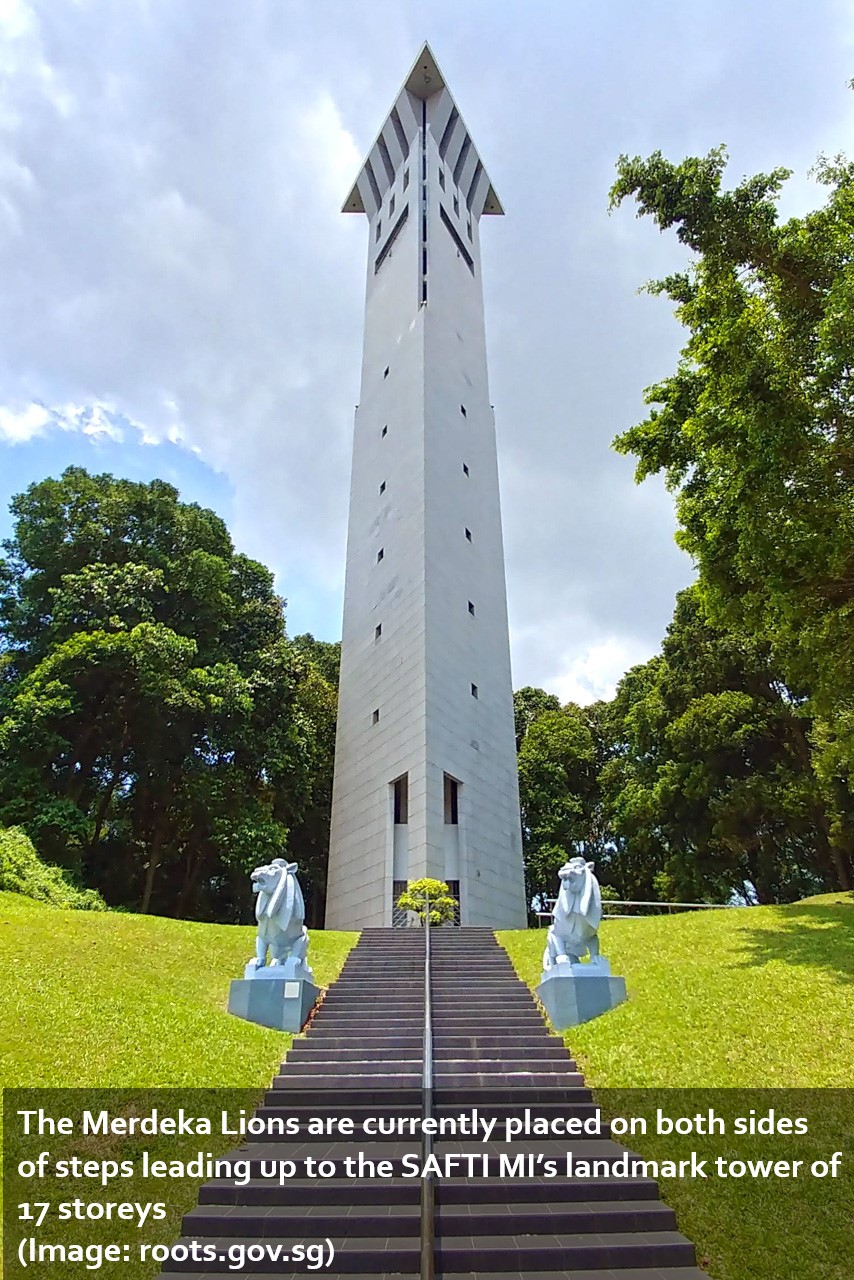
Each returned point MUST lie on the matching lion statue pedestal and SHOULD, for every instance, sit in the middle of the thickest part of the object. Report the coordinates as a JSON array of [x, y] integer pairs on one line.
[[280, 994], [572, 992]]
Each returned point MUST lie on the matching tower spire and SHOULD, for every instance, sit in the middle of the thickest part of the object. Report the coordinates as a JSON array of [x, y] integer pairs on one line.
[[424, 95], [425, 764]]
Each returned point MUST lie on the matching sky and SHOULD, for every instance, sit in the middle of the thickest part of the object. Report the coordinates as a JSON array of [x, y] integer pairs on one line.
[[182, 297]]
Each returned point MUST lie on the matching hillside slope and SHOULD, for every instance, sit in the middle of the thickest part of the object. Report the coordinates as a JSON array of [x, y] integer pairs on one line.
[[721, 1002], [115, 1000], [751, 998]]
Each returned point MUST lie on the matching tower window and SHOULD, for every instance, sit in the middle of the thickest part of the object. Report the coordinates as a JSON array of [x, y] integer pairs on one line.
[[380, 554], [382, 487], [474, 691], [378, 630], [471, 608], [376, 715], [468, 228], [384, 432], [452, 801], [442, 179], [463, 411], [405, 179], [379, 227], [391, 211], [401, 799], [465, 469], [456, 206], [385, 371], [468, 534]]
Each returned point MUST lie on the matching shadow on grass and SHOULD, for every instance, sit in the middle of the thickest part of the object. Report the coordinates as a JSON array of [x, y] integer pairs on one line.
[[818, 936]]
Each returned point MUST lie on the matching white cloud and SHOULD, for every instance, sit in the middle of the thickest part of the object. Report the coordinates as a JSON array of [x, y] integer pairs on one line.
[[596, 673], [28, 422], [175, 266], [22, 424]]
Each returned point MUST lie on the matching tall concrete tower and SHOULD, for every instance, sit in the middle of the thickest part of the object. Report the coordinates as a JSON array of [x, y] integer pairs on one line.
[[425, 763]]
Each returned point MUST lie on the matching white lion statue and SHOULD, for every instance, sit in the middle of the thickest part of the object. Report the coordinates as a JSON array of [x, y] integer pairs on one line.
[[577, 915], [280, 912]]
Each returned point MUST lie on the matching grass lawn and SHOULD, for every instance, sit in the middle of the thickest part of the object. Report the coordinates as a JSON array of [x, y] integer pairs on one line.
[[100, 1001], [112, 1000], [760, 998]]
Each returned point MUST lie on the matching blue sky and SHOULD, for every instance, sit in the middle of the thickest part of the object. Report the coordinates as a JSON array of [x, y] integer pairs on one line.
[[182, 297]]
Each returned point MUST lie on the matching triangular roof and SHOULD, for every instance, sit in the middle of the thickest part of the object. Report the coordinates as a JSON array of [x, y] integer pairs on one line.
[[423, 81]]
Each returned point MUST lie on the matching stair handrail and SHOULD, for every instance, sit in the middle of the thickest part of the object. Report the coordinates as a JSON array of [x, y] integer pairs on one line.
[[428, 1198]]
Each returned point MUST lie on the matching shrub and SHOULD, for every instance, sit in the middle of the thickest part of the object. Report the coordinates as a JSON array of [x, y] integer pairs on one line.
[[22, 871], [420, 892]]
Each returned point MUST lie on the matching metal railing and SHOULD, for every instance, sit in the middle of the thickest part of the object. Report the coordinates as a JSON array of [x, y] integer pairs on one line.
[[428, 1190], [664, 908]]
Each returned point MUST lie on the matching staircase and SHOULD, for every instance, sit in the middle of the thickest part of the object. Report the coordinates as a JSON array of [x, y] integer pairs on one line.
[[364, 1055]]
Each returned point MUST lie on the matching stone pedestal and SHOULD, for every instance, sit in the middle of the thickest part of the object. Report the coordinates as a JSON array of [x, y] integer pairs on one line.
[[278, 1002], [575, 993]]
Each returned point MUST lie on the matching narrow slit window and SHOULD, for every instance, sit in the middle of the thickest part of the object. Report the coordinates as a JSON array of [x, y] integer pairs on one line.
[[401, 800], [376, 715], [442, 179], [385, 371], [405, 179], [468, 535], [463, 411], [380, 554], [474, 693], [382, 487], [465, 469], [471, 607], [378, 630], [452, 801], [456, 206], [391, 211], [384, 432], [379, 228], [468, 228]]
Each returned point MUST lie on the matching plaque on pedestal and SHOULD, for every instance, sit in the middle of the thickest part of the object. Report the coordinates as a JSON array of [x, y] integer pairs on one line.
[[281, 1003], [575, 993]]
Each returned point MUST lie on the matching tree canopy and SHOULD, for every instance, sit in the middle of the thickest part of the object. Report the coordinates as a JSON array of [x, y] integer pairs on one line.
[[159, 733], [754, 431], [696, 782]]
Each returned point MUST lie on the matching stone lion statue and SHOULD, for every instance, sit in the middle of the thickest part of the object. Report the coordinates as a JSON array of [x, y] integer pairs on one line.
[[576, 916], [280, 912]]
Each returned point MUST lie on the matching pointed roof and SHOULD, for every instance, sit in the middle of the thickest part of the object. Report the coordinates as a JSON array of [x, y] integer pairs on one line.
[[423, 81]]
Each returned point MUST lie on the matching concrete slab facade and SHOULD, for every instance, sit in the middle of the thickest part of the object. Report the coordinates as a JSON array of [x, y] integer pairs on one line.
[[425, 767]]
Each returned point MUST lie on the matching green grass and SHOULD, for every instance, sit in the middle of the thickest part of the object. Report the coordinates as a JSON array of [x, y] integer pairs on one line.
[[127, 1001], [753, 998], [759, 998], [115, 1001]]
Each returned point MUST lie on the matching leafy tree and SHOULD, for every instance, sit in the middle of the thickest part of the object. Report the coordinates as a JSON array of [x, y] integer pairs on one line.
[[755, 430], [158, 730], [558, 772], [426, 894], [713, 782], [528, 704]]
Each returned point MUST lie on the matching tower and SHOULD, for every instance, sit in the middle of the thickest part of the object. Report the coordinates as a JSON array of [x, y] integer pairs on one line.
[[425, 762]]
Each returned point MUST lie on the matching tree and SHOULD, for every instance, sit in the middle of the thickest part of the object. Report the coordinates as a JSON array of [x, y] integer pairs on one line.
[[713, 783], [426, 894], [755, 430], [158, 730], [558, 770], [528, 705]]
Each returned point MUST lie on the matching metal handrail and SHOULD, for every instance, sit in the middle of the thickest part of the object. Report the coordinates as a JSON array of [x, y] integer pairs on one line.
[[428, 1190], [669, 907]]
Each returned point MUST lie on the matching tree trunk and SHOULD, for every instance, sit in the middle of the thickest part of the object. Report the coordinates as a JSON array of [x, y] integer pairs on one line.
[[153, 864], [194, 865]]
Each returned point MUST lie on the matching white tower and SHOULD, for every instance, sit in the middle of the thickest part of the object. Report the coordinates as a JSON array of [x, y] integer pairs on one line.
[[425, 763]]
